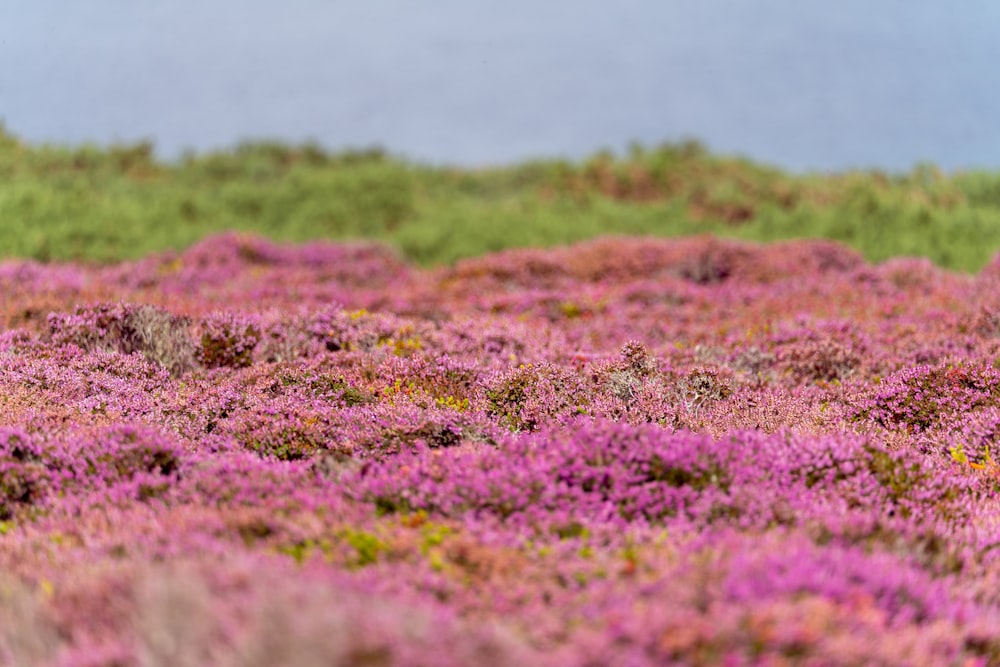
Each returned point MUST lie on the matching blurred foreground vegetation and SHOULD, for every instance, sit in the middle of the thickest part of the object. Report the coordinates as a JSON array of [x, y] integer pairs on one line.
[[104, 204]]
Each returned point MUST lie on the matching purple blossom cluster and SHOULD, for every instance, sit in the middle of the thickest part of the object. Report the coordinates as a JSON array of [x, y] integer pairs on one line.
[[623, 452]]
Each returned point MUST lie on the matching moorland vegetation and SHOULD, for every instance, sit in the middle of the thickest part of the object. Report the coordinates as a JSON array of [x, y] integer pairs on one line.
[[629, 450], [108, 204]]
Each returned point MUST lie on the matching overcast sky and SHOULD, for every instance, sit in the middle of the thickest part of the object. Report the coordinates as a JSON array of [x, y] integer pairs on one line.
[[804, 84]]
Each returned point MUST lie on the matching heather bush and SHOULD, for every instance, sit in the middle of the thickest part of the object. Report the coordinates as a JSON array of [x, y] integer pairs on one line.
[[972, 436], [637, 359], [823, 360], [769, 409], [319, 383], [163, 338], [286, 338], [615, 472], [338, 329], [631, 388], [780, 600], [127, 328], [231, 477], [701, 386], [200, 406], [986, 322], [381, 431], [443, 380], [140, 458], [625, 377], [524, 398], [228, 340], [499, 343], [284, 429], [23, 475], [920, 397], [433, 433], [713, 263]]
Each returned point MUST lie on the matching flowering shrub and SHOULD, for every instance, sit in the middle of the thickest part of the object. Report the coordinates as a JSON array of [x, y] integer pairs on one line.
[[127, 328], [228, 340], [629, 451], [286, 430], [525, 397], [23, 475], [921, 397]]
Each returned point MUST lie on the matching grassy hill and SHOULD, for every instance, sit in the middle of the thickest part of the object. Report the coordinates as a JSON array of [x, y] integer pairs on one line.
[[104, 204]]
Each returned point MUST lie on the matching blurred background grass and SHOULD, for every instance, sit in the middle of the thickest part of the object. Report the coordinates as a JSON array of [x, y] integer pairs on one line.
[[106, 204]]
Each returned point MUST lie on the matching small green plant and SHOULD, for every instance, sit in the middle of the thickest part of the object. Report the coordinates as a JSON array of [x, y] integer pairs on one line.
[[523, 397], [959, 456], [508, 399], [367, 547], [452, 403], [302, 550]]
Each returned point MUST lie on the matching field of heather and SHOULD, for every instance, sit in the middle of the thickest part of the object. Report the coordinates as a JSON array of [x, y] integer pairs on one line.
[[628, 452]]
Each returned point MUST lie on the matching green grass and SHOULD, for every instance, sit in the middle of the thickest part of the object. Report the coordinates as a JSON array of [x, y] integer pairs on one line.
[[105, 204]]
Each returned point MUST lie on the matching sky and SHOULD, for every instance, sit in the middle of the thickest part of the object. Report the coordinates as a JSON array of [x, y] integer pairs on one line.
[[803, 84]]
